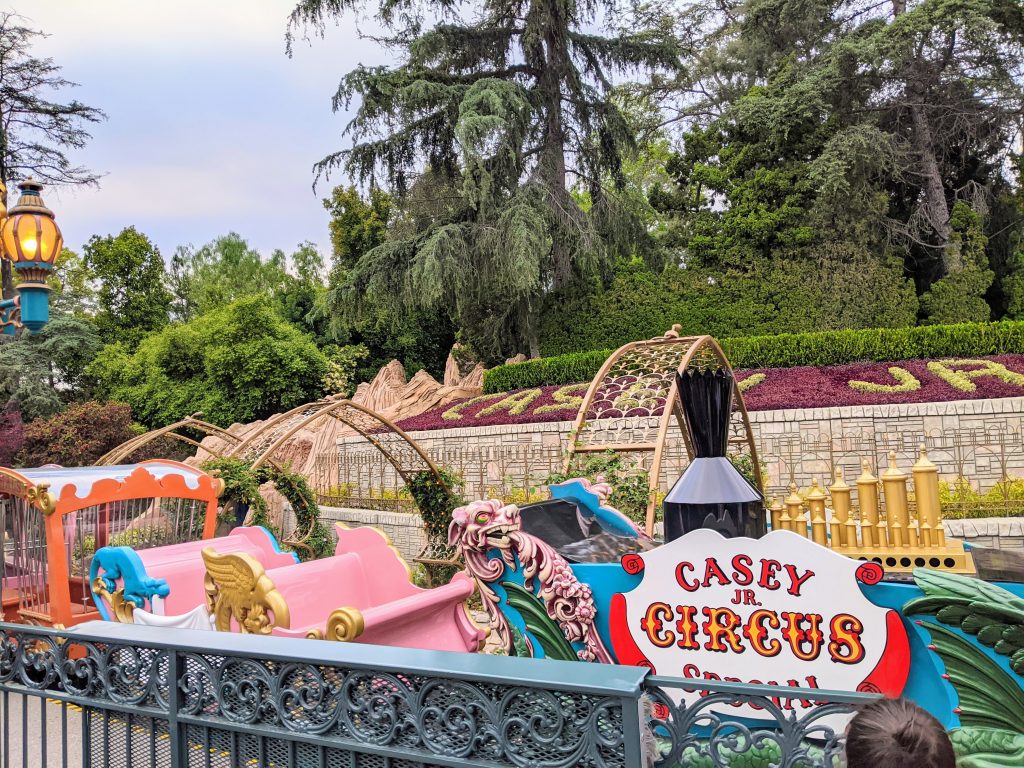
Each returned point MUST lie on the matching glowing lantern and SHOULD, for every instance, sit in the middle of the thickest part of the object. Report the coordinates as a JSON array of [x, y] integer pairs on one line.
[[32, 241]]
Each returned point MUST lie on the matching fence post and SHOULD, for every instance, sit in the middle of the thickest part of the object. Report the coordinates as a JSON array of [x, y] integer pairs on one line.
[[178, 756], [632, 738]]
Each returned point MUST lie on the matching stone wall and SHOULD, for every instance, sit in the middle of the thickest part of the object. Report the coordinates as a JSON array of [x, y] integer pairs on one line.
[[405, 530], [979, 439]]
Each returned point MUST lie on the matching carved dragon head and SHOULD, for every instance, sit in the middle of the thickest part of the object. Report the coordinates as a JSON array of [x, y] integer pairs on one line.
[[483, 524]]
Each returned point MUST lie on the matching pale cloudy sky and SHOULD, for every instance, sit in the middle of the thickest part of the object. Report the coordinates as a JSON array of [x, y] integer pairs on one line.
[[211, 127]]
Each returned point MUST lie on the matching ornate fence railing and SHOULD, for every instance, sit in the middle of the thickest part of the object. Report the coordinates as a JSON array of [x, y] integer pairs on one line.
[[107, 694]]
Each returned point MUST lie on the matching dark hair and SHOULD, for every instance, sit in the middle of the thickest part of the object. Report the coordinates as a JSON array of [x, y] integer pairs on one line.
[[896, 733]]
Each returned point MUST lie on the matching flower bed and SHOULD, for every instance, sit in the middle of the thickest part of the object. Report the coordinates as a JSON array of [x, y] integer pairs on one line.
[[910, 381]]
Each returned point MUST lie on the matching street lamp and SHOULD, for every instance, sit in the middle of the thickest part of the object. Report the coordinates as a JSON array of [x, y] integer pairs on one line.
[[32, 241]]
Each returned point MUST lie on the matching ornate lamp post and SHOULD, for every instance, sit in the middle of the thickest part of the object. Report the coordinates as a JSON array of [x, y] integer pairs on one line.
[[32, 241]]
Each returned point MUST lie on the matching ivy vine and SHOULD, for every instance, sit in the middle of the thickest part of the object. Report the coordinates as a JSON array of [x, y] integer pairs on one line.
[[242, 484]]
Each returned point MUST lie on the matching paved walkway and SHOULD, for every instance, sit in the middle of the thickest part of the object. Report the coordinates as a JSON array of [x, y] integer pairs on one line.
[[25, 744]]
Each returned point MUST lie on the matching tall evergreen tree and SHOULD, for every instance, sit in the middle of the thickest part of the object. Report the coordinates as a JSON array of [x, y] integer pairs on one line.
[[36, 132], [842, 120], [494, 118]]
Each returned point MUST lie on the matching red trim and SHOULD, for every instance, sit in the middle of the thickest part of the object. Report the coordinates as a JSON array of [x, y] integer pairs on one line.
[[626, 650], [889, 676]]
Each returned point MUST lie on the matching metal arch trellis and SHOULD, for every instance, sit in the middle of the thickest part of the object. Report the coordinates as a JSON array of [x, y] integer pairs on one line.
[[383, 434], [133, 445], [626, 408], [398, 448]]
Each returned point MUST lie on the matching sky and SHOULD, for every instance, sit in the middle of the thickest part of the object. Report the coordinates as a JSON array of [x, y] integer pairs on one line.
[[210, 127]]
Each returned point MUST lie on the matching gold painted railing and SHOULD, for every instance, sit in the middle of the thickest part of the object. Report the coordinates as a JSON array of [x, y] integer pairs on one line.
[[894, 538]]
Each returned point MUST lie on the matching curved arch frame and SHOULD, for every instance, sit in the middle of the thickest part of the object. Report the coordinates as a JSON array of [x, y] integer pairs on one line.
[[693, 351], [130, 446], [278, 430]]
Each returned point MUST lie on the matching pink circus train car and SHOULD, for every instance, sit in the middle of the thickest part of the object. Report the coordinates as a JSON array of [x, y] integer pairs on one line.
[[54, 519]]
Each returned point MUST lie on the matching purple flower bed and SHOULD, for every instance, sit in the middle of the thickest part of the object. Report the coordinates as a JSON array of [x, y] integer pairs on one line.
[[781, 388]]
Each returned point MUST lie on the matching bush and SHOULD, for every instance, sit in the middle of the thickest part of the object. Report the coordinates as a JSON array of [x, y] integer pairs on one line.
[[788, 350], [78, 436], [236, 364], [841, 288]]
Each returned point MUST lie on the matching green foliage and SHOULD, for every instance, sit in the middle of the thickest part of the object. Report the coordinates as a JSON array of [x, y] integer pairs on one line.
[[76, 437], [436, 502], [40, 372], [563, 369], [844, 289], [960, 295], [236, 364], [242, 484], [510, 109], [132, 299], [630, 485], [356, 225], [789, 350], [342, 366]]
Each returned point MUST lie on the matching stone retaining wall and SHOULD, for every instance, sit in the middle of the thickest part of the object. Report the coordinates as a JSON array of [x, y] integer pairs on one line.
[[404, 530], [979, 439]]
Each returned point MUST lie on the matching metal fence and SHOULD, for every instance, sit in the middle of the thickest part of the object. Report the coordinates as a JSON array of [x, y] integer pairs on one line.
[[365, 479], [113, 695]]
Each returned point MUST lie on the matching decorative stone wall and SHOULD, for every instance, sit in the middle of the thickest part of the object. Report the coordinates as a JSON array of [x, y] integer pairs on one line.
[[979, 439], [405, 530]]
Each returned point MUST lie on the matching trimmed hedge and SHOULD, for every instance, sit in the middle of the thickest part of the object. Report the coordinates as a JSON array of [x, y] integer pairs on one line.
[[788, 350]]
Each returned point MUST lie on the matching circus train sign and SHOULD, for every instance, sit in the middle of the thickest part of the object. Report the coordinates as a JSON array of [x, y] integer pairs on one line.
[[779, 610]]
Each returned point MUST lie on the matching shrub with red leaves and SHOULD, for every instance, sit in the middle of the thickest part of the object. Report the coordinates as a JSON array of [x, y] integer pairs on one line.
[[12, 434], [76, 437]]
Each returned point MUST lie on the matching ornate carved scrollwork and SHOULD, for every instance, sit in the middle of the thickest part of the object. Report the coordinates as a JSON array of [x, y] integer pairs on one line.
[[238, 588], [345, 625], [123, 610]]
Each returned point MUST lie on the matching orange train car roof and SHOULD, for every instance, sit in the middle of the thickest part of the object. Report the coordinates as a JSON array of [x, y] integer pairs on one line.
[[71, 486]]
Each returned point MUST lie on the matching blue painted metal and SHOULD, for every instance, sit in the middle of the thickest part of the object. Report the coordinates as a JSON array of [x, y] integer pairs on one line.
[[35, 305], [112, 563], [589, 504], [152, 696]]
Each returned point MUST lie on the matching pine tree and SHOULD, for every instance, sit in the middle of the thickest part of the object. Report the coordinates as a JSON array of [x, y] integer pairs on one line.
[[494, 123]]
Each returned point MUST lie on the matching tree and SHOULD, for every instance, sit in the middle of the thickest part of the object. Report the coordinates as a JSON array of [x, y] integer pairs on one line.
[[220, 272], [132, 298], [12, 433], [36, 132], [419, 338], [41, 372], [238, 363], [846, 123], [77, 437], [495, 116]]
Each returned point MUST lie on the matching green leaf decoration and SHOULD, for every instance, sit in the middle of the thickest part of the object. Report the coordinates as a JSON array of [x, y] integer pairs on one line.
[[936, 584], [987, 747], [539, 624], [992, 614], [989, 696]]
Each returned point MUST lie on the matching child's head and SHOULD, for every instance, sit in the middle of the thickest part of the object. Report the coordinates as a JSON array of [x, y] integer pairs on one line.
[[896, 733]]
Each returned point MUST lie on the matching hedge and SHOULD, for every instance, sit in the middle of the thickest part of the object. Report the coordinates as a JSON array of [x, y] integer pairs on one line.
[[788, 350]]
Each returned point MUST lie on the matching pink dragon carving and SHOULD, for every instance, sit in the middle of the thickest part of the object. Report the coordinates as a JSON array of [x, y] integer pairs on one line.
[[485, 525]]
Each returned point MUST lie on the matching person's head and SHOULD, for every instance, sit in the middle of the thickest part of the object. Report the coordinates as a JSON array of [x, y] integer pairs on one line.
[[896, 733]]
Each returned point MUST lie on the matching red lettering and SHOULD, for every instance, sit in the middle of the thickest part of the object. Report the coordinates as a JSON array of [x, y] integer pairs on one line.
[[756, 633], [711, 568], [742, 574], [796, 581], [845, 646], [721, 623], [798, 636], [687, 627], [652, 624], [681, 579], [768, 570]]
